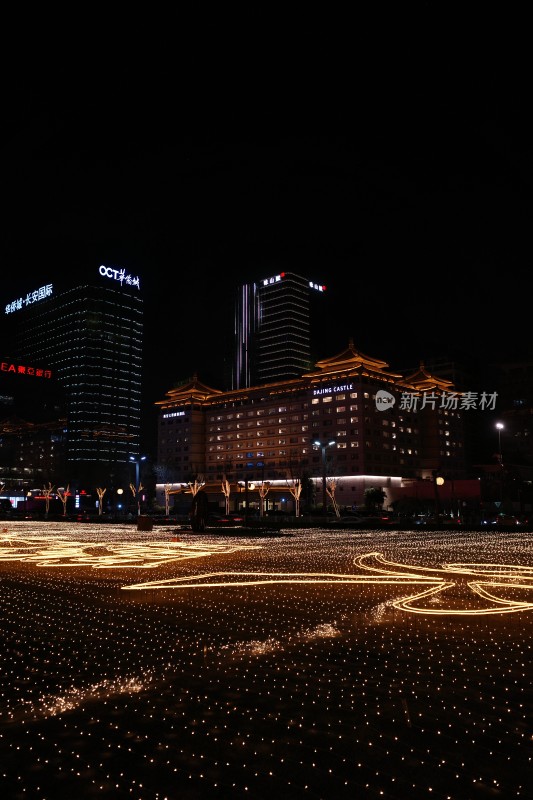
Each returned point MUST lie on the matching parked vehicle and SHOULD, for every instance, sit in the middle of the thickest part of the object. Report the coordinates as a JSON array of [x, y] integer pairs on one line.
[[504, 521]]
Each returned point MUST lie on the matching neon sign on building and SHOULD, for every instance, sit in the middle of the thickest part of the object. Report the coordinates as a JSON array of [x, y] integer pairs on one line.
[[31, 297], [347, 387], [21, 369], [119, 275], [277, 278]]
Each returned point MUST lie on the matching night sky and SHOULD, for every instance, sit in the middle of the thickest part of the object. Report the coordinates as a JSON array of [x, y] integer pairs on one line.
[[407, 194]]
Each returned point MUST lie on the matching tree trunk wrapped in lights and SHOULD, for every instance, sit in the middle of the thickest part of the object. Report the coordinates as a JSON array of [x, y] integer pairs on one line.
[[136, 493], [168, 487], [199, 507], [263, 489], [196, 485], [100, 492], [296, 489], [226, 489], [331, 488], [47, 492], [64, 494]]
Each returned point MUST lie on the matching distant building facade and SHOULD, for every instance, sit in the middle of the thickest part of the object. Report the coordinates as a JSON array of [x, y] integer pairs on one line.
[[88, 334], [516, 381], [385, 427], [273, 329], [32, 425]]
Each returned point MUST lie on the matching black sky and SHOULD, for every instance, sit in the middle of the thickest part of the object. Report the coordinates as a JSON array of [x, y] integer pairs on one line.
[[407, 193]]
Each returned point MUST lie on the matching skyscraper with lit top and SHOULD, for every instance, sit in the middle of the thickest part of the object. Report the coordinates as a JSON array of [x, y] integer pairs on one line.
[[273, 329], [88, 332]]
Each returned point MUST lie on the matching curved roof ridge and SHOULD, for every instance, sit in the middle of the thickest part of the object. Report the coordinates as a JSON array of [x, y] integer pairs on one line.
[[351, 354], [422, 379], [190, 389]]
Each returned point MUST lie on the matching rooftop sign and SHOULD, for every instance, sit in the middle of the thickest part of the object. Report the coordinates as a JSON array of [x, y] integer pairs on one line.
[[31, 297], [119, 275], [277, 278]]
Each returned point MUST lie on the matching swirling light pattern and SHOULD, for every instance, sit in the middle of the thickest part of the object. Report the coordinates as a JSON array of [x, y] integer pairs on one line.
[[54, 551], [314, 684]]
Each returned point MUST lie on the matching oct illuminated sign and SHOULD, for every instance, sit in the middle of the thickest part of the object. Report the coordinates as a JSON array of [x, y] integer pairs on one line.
[[119, 275]]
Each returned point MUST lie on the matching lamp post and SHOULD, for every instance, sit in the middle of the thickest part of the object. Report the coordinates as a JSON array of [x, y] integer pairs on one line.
[[120, 492], [499, 427], [324, 446], [439, 481], [137, 462]]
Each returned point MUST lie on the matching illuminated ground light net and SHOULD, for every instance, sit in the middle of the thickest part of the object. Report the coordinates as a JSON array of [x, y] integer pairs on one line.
[[453, 588], [355, 664]]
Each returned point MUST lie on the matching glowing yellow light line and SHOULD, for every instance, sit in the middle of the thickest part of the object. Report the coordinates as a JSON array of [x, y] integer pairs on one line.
[[111, 555], [264, 578], [399, 569], [501, 570], [60, 552]]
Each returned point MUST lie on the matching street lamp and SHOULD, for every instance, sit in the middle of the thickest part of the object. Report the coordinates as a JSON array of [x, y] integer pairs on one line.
[[439, 481], [323, 446], [500, 426], [137, 462], [120, 492]]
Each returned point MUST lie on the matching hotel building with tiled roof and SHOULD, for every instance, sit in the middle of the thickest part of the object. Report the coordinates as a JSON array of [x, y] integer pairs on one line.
[[386, 427]]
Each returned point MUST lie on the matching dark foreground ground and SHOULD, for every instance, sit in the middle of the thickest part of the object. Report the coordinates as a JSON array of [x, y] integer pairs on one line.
[[175, 665]]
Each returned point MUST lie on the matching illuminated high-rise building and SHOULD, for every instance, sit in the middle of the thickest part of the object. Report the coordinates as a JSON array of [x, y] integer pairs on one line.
[[273, 329], [89, 335]]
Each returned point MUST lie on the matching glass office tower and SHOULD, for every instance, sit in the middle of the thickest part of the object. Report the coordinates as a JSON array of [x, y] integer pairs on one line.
[[90, 335], [273, 329]]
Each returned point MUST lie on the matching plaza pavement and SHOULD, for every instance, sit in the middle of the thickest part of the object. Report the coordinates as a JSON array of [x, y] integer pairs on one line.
[[320, 664]]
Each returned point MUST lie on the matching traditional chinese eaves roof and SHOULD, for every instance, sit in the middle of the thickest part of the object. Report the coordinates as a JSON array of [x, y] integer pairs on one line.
[[349, 361], [345, 366], [189, 392], [421, 380]]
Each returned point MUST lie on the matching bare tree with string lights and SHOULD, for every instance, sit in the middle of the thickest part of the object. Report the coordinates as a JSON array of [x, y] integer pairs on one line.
[[64, 494], [331, 488], [167, 488], [226, 490], [263, 489], [295, 488], [47, 492], [136, 492], [199, 506], [100, 492]]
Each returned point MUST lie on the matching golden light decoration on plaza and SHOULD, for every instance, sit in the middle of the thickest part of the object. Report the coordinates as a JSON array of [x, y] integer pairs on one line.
[[62, 552], [313, 684]]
